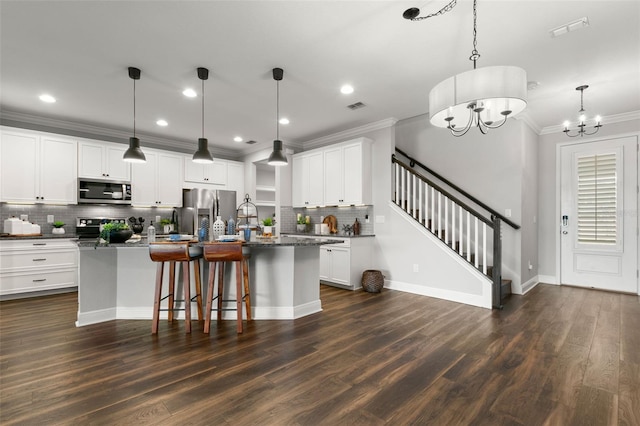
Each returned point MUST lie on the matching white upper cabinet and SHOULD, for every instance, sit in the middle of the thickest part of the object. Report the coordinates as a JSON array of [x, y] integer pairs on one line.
[[214, 173], [235, 180], [102, 160], [333, 176], [158, 182], [347, 173], [308, 179], [38, 167]]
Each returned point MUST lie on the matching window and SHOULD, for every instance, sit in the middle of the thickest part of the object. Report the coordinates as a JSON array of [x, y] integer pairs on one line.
[[597, 199]]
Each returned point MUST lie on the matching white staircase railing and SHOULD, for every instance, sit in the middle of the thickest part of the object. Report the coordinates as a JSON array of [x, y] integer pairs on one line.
[[464, 230]]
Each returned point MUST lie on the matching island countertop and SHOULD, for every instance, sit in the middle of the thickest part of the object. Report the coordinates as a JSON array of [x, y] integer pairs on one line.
[[281, 241]]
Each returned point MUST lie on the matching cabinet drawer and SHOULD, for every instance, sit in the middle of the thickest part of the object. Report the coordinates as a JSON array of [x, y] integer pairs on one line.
[[33, 260], [23, 283]]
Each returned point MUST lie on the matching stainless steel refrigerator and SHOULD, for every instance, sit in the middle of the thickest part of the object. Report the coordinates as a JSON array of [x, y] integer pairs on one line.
[[205, 204]]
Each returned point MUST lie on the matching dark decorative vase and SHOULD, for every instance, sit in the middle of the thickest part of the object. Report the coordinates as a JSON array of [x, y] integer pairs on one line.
[[120, 236], [137, 228]]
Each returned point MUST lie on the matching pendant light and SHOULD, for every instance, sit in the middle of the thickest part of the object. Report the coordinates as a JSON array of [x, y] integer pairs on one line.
[[277, 158], [483, 97], [134, 154], [202, 155]]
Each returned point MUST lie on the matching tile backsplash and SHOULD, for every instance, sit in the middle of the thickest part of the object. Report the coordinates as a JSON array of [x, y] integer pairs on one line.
[[38, 213], [344, 215]]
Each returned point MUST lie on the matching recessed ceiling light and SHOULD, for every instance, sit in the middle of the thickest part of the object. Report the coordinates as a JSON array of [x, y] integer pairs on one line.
[[162, 123], [189, 93], [237, 139], [284, 120], [47, 98], [346, 89]]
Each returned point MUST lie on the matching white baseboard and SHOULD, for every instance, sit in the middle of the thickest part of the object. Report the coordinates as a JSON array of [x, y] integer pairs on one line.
[[548, 279], [146, 313], [482, 301], [94, 317], [529, 285]]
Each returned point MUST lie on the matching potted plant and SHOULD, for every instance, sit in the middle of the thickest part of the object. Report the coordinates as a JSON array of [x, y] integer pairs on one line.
[[114, 233], [267, 224], [58, 227], [302, 223], [167, 225]]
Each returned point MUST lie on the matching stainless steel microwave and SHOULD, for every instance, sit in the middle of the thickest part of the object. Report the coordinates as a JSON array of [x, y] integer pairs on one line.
[[103, 192]]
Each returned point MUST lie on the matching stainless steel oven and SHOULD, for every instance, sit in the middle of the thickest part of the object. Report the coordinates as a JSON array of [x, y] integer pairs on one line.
[[103, 192]]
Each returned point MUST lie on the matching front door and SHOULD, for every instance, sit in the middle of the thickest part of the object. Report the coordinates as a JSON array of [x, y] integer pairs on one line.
[[599, 214]]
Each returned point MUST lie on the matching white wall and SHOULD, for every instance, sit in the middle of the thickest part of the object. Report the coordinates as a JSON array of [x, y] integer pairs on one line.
[[548, 195]]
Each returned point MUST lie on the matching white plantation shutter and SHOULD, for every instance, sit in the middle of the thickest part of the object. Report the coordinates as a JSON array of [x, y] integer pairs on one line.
[[597, 199]]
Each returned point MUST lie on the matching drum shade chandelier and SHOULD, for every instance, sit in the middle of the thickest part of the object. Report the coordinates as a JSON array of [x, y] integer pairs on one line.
[[482, 98], [277, 157], [134, 154], [582, 118], [202, 155]]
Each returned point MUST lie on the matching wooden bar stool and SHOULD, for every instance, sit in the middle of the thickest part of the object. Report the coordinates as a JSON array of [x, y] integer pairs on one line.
[[217, 254], [174, 252]]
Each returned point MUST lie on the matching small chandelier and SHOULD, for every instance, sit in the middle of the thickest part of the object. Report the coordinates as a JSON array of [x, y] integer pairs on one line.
[[134, 154], [582, 118], [202, 155], [482, 98]]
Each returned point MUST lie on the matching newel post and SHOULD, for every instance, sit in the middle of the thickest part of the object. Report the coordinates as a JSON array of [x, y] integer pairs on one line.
[[497, 262]]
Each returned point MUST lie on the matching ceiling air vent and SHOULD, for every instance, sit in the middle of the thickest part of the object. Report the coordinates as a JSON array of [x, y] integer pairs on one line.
[[355, 106], [569, 26], [251, 142]]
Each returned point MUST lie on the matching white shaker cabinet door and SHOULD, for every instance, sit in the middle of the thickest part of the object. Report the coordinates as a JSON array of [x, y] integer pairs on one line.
[[19, 151], [58, 170], [169, 181]]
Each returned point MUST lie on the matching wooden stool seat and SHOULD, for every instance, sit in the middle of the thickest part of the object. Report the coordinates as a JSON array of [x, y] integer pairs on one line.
[[173, 253], [217, 254]]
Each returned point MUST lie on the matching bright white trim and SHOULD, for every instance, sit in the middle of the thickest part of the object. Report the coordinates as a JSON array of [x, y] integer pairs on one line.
[[548, 279], [529, 285], [95, 317], [348, 134], [481, 301]]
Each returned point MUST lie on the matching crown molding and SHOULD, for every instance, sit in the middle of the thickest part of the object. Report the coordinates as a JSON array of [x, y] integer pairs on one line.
[[609, 119], [91, 131], [348, 134], [526, 118]]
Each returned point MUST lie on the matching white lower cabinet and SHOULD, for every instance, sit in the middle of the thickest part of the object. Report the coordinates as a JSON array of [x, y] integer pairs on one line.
[[35, 265], [342, 264]]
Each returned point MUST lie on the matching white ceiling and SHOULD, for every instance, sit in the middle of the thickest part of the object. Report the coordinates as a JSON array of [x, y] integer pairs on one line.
[[79, 52]]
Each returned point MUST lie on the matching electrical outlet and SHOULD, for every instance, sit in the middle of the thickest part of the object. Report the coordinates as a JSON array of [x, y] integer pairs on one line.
[[530, 266], [366, 218], [50, 218], [24, 217], [157, 220], [416, 267], [507, 212]]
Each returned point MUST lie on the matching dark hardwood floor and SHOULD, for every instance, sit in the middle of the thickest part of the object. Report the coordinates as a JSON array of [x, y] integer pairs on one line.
[[557, 356]]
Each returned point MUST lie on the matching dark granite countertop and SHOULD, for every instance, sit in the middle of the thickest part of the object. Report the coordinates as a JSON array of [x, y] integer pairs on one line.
[[6, 237], [311, 235], [259, 242]]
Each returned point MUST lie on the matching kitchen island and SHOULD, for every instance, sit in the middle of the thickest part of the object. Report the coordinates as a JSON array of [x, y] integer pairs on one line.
[[117, 281]]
